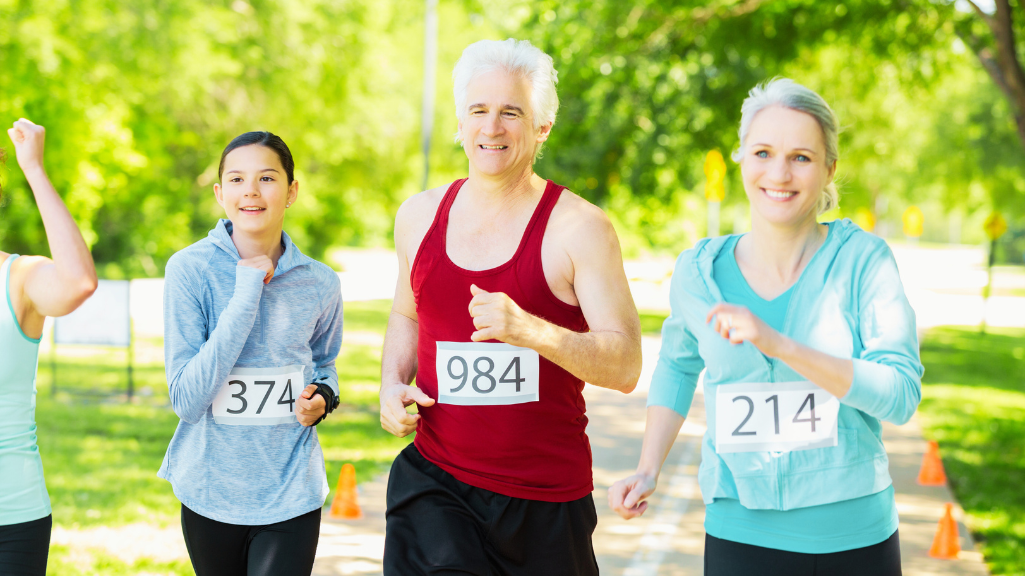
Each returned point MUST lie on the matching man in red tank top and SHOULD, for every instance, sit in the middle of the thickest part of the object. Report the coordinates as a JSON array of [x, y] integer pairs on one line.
[[511, 295]]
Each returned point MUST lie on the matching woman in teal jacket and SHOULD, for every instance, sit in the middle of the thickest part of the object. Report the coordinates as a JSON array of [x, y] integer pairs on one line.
[[808, 342]]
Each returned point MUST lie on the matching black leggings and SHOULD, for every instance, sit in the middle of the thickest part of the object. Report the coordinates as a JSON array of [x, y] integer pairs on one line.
[[282, 549], [727, 558], [24, 547]]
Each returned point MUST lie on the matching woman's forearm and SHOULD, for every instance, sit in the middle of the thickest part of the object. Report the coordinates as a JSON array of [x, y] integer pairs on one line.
[[832, 374], [73, 264], [660, 431]]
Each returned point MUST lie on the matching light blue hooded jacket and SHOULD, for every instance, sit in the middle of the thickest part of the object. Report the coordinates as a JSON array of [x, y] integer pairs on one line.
[[849, 302], [218, 315]]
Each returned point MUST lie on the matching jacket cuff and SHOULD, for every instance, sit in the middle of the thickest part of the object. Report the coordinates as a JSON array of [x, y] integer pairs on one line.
[[871, 387], [673, 391], [248, 283]]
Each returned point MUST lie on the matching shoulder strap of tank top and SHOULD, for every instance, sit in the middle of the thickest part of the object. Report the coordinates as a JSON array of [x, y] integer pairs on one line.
[[440, 225], [5, 277], [536, 231], [440, 222]]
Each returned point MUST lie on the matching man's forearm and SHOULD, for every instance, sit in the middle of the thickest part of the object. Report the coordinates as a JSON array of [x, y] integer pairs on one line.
[[603, 358], [398, 359]]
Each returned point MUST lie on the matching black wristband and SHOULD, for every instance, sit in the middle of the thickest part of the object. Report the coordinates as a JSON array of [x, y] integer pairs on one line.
[[330, 400]]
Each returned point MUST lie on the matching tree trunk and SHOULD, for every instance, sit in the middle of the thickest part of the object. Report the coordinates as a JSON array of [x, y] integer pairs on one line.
[[1003, 67]]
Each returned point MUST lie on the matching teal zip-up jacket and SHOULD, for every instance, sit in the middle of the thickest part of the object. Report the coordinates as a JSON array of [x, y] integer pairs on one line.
[[849, 302]]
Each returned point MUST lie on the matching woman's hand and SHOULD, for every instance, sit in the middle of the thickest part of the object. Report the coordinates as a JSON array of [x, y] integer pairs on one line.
[[737, 324], [628, 496], [28, 141]]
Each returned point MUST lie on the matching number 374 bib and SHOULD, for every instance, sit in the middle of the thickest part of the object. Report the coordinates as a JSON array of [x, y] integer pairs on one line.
[[259, 396], [486, 373], [778, 416]]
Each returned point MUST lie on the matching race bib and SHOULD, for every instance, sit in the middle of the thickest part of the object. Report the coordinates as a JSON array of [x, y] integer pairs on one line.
[[486, 373], [779, 417], [259, 396]]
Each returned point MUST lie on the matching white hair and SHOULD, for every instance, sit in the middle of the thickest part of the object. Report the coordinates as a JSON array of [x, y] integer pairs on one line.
[[789, 94], [516, 57]]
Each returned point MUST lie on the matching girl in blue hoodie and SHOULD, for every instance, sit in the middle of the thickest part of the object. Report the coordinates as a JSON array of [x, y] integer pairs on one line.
[[808, 342], [251, 331]]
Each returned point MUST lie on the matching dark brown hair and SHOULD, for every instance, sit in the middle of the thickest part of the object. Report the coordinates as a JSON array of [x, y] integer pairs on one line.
[[267, 140]]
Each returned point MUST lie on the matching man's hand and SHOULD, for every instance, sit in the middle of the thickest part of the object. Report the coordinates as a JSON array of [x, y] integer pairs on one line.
[[310, 406], [737, 324], [627, 496], [394, 400], [260, 262], [497, 317], [28, 141]]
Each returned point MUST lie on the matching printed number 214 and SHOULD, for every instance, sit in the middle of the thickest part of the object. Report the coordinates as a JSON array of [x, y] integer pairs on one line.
[[809, 403]]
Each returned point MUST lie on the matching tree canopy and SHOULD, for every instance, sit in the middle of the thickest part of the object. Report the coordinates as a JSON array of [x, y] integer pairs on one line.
[[140, 96]]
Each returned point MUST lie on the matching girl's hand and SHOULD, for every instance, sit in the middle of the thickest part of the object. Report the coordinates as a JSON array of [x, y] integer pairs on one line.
[[310, 406], [737, 324], [28, 144], [627, 497], [261, 263]]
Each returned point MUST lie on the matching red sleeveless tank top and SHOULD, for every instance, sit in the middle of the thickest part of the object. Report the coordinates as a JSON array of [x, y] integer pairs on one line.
[[535, 450]]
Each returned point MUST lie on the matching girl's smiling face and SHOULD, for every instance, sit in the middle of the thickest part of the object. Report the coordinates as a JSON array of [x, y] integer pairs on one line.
[[784, 166], [254, 190]]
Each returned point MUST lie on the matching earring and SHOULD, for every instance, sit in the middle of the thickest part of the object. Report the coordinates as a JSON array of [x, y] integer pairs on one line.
[[288, 205]]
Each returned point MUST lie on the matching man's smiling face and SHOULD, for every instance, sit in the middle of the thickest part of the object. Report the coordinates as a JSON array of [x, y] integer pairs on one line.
[[497, 127]]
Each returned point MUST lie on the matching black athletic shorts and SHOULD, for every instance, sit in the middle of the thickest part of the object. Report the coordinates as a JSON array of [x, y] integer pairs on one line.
[[281, 549], [439, 526], [24, 547], [728, 558]]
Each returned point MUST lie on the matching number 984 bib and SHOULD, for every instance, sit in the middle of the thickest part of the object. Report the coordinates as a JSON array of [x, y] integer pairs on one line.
[[486, 373], [259, 396], [778, 416]]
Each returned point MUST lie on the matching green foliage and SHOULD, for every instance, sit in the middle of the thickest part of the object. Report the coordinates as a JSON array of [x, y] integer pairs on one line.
[[973, 404], [648, 87], [140, 97]]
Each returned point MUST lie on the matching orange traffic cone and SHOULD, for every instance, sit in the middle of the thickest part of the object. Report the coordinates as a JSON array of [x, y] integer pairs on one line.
[[344, 506], [947, 542], [931, 473]]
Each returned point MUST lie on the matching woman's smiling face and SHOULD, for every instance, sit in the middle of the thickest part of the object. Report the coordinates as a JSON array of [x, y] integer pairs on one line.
[[784, 166], [254, 189]]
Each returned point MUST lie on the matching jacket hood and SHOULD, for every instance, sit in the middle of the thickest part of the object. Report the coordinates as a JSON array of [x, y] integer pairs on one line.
[[291, 257], [699, 271]]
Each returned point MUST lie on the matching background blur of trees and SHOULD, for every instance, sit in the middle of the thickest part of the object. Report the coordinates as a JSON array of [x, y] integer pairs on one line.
[[140, 96]]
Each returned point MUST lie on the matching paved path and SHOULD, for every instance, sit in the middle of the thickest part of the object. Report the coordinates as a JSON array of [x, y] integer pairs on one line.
[[669, 539]]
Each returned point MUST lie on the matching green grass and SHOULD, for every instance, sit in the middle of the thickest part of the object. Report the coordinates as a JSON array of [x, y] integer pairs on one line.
[[101, 454], [651, 321], [973, 404], [65, 562]]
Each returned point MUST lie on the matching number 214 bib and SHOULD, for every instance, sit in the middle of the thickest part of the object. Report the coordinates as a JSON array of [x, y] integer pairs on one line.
[[777, 416], [259, 396], [486, 373]]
